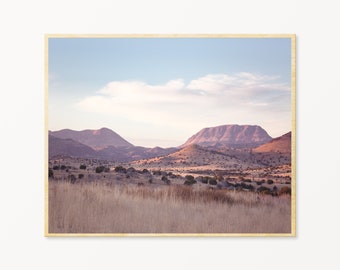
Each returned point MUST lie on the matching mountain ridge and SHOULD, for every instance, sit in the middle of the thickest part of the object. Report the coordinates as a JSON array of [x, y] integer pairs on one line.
[[107, 144], [95, 138]]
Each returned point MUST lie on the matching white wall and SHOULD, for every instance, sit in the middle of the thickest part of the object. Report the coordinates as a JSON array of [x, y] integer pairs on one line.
[[22, 28]]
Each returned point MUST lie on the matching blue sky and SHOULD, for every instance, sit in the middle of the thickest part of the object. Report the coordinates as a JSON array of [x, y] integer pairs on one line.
[[160, 91]]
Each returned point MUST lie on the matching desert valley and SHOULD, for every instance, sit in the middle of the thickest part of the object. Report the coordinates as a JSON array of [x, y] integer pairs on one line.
[[224, 179]]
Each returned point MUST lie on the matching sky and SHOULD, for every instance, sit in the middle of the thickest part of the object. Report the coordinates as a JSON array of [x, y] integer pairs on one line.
[[160, 91]]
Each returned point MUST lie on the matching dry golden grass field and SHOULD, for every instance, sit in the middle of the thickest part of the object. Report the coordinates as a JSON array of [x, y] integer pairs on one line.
[[101, 207]]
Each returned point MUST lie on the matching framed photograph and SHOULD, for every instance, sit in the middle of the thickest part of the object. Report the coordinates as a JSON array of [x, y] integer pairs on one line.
[[170, 135]]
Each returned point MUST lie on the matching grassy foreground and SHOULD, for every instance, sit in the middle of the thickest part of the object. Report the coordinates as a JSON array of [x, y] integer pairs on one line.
[[101, 208]]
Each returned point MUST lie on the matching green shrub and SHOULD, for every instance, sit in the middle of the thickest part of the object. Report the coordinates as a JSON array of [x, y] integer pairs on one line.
[[190, 182], [264, 190], [131, 170], [166, 180], [145, 171], [100, 169], [212, 181], [82, 167], [205, 180], [269, 182], [189, 177], [80, 176], [157, 172], [247, 186], [120, 169], [56, 167]]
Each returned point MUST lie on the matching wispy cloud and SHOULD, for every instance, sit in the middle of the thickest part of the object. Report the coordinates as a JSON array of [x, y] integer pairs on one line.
[[206, 101]]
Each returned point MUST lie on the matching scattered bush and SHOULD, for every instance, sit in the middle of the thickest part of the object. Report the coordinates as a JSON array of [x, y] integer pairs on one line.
[[270, 182], [62, 167], [82, 167], [212, 181], [120, 169], [80, 176], [145, 171], [165, 180], [100, 169], [56, 167], [264, 190], [246, 186], [205, 180], [190, 182], [131, 170], [189, 177], [157, 172]]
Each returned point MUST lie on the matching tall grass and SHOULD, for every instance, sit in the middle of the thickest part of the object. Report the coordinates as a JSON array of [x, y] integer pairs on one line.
[[98, 208]]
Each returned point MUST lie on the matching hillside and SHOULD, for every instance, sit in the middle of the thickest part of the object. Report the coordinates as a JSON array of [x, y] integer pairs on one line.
[[96, 139], [194, 156], [68, 147], [281, 144]]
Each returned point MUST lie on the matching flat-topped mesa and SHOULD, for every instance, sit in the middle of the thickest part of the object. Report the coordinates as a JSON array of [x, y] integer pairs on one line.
[[238, 136]]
